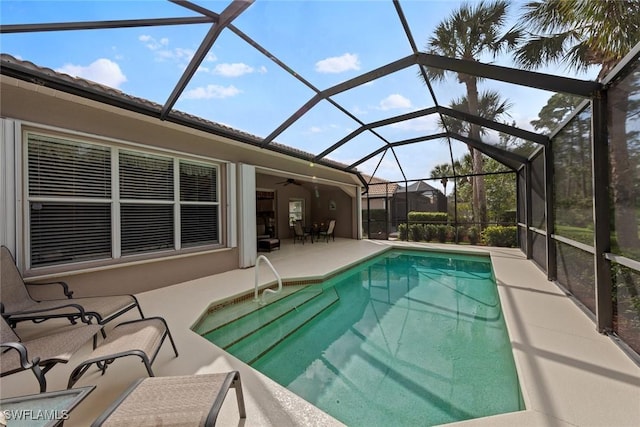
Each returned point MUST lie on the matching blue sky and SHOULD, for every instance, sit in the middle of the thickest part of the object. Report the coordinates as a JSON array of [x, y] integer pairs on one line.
[[326, 42]]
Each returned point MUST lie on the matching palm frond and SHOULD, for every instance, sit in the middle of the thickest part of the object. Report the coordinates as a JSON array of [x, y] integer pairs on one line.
[[578, 33], [543, 50], [548, 16]]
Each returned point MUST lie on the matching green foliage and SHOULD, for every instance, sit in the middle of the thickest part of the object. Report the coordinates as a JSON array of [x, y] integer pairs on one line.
[[579, 234], [501, 191], [474, 235], [500, 236], [507, 217], [442, 233], [416, 231], [574, 211], [402, 231], [461, 230], [430, 232], [428, 217]]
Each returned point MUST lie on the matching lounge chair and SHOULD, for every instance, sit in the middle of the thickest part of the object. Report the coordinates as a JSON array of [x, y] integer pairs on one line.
[[191, 400], [40, 354], [142, 338], [329, 232], [16, 304], [299, 233]]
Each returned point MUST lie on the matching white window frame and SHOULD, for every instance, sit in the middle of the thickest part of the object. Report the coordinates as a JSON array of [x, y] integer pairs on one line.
[[115, 201], [289, 211]]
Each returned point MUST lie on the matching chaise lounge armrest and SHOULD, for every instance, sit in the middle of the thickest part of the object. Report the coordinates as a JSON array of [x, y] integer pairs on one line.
[[33, 286], [34, 364], [70, 310]]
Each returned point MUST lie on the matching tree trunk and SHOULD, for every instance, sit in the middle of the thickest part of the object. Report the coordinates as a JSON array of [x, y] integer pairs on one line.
[[479, 191]]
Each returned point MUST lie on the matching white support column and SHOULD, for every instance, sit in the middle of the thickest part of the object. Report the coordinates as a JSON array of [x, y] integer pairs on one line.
[[232, 206], [247, 215], [8, 224], [358, 213]]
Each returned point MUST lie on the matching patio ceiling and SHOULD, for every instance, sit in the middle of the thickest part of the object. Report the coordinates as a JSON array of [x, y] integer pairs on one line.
[[363, 141]]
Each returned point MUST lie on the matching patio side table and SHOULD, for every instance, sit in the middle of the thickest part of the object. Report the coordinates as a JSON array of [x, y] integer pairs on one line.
[[47, 409]]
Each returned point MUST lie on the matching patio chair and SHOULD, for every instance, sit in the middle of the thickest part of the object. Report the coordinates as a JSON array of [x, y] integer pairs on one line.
[[299, 233], [329, 231], [16, 303], [40, 354], [142, 338], [190, 400]]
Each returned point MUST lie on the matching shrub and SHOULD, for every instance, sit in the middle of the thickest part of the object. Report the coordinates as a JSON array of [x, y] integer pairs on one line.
[[428, 217], [450, 233], [417, 232], [430, 232], [402, 231], [500, 236], [507, 218], [462, 233], [442, 233], [473, 235]]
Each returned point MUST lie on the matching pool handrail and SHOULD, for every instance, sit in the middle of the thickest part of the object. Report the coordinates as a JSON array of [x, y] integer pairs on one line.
[[275, 273]]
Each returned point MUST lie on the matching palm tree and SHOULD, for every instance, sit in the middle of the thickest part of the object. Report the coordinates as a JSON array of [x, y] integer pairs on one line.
[[471, 32], [581, 33], [442, 171], [491, 107]]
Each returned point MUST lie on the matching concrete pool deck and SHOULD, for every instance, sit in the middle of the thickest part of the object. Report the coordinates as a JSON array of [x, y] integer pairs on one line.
[[570, 375]]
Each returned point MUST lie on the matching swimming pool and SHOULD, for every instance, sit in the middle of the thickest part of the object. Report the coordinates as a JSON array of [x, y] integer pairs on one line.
[[412, 338]]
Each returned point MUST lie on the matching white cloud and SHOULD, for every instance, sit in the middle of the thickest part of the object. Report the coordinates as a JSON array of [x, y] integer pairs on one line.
[[163, 52], [176, 54], [212, 91], [233, 70], [152, 43], [394, 101], [421, 124], [103, 71], [359, 111], [315, 129], [338, 64]]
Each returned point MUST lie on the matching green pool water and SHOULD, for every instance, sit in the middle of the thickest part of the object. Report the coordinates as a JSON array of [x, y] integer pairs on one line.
[[415, 339]]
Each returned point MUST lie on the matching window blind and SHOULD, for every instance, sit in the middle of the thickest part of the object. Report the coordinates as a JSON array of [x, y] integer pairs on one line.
[[69, 232], [198, 183], [71, 201], [146, 228], [198, 204], [199, 225], [59, 168], [145, 177]]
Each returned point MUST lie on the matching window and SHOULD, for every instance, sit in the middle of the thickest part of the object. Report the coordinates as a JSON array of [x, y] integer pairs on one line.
[[93, 202], [146, 203], [69, 190], [198, 204], [296, 211]]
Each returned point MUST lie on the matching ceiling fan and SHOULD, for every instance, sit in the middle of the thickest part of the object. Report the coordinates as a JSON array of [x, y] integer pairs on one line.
[[289, 181]]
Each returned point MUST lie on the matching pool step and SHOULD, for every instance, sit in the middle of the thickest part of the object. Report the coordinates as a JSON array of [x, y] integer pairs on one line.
[[259, 316], [232, 311], [253, 346]]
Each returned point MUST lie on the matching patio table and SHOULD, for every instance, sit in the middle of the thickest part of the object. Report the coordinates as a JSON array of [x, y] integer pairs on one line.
[[47, 409]]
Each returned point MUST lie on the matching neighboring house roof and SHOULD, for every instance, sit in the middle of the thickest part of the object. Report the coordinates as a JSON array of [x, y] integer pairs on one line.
[[419, 187], [85, 88], [379, 187]]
